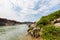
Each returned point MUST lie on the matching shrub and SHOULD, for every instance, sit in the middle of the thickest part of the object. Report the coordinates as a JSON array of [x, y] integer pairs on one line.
[[51, 33]]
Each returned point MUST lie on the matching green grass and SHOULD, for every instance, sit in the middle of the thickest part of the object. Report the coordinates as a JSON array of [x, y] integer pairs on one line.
[[47, 19], [51, 33]]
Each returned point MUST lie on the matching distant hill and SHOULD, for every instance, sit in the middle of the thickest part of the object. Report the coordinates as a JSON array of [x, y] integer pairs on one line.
[[4, 22]]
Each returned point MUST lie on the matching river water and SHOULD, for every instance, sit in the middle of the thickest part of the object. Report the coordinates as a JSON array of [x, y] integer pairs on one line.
[[17, 32]]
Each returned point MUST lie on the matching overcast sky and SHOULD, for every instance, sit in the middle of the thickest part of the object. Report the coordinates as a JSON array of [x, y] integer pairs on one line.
[[27, 10]]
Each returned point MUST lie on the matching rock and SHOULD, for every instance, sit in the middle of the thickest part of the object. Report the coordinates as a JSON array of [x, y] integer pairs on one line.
[[34, 32], [33, 25], [56, 20], [57, 24]]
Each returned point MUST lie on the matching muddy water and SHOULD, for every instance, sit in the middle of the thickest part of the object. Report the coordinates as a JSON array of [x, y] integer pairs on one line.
[[18, 32]]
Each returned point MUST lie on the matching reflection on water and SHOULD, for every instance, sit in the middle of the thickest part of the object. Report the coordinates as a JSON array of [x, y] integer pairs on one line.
[[18, 32]]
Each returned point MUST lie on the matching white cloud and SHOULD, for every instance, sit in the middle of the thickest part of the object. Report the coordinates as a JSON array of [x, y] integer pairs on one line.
[[6, 12], [45, 8], [27, 6], [54, 2]]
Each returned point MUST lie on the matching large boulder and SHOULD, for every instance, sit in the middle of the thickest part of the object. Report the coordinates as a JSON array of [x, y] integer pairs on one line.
[[57, 24], [34, 32]]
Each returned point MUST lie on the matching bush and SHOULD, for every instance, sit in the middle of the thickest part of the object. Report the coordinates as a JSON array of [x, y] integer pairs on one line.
[[51, 33]]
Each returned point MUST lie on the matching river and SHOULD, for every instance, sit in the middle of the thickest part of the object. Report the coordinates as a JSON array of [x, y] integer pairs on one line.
[[17, 32]]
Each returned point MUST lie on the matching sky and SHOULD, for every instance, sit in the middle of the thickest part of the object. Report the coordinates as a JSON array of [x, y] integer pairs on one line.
[[27, 10]]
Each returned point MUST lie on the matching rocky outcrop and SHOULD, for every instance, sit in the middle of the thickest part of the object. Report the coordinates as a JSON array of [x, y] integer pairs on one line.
[[34, 32], [56, 22]]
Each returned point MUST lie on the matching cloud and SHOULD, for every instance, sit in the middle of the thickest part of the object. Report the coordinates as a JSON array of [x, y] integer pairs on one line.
[[6, 12], [27, 10], [16, 8]]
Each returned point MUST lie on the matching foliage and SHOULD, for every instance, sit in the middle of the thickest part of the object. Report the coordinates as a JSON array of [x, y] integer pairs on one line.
[[51, 33], [47, 19]]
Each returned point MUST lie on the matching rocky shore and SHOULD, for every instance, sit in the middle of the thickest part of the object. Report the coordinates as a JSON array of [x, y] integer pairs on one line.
[[47, 28], [34, 31]]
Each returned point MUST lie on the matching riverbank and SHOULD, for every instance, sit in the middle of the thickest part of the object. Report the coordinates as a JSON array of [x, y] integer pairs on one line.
[[29, 37], [47, 28]]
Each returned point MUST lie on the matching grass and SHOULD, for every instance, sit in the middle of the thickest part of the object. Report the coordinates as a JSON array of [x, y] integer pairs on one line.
[[51, 33], [47, 19]]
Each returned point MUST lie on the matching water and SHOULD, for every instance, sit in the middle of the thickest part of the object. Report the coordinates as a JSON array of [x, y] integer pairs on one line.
[[18, 32]]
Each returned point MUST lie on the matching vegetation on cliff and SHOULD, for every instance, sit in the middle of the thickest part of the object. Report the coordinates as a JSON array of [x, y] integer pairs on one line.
[[47, 19], [48, 31]]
